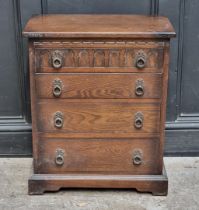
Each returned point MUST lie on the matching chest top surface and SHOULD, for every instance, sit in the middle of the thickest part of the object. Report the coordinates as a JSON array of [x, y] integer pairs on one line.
[[98, 26]]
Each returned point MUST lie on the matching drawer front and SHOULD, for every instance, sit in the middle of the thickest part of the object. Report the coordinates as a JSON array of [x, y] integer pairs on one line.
[[99, 57], [117, 156], [98, 86], [97, 117]]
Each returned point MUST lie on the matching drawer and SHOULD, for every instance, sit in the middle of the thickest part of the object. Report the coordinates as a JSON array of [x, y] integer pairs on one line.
[[117, 156], [98, 117], [99, 57], [89, 85]]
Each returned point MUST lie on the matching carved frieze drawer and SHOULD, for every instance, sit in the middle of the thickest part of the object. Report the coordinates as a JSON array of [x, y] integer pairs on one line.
[[99, 56]]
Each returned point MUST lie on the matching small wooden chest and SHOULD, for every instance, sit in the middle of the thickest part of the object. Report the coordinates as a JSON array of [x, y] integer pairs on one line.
[[98, 99]]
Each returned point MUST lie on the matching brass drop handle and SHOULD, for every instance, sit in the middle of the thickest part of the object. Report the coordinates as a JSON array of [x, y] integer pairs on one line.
[[59, 157], [138, 120], [57, 59], [140, 60], [57, 87], [137, 157], [139, 87], [58, 120]]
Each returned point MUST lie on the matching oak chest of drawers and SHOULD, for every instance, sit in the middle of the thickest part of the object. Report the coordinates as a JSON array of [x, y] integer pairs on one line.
[[98, 100]]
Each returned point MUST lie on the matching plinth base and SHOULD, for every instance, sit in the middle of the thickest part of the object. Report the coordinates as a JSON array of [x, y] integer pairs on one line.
[[156, 184]]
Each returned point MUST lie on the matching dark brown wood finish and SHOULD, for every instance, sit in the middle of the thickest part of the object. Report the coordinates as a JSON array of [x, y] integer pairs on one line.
[[108, 26], [98, 86], [104, 156], [93, 56], [97, 117], [157, 184], [98, 99]]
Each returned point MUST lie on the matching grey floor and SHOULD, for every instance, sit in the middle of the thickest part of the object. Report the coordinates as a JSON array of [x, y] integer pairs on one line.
[[183, 194]]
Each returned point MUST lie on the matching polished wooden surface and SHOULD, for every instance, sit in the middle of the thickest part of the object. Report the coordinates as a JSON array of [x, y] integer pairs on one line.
[[84, 77], [98, 86], [115, 57], [97, 117], [104, 156], [157, 184], [120, 26]]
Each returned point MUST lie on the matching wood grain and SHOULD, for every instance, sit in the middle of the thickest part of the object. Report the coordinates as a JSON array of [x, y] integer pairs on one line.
[[117, 26], [99, 86], [105, 156], [99, 68], [118, 58], [156, 184], [97, 116]]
